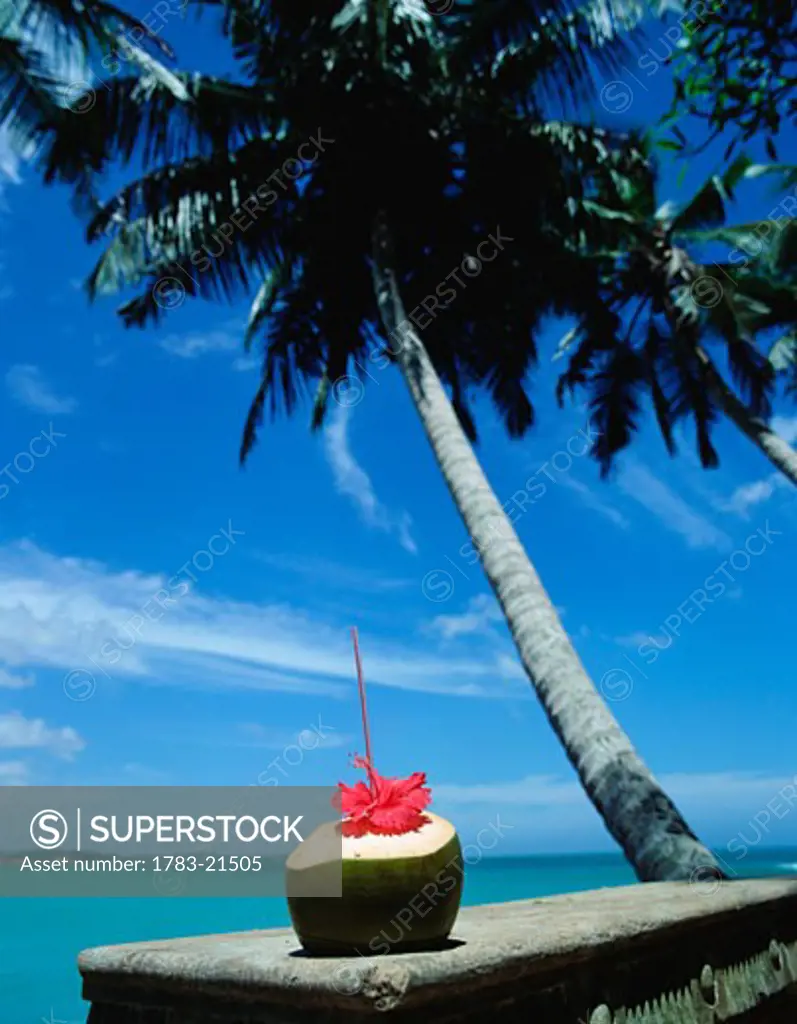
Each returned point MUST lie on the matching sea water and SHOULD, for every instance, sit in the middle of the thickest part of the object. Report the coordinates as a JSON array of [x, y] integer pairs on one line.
[[40, 939]]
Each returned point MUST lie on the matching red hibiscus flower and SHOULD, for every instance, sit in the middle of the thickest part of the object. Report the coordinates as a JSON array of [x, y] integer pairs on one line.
[[383, 807]]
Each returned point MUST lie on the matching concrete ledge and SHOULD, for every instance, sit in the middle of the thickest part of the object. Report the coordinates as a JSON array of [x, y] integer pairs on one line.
[[658, 952]]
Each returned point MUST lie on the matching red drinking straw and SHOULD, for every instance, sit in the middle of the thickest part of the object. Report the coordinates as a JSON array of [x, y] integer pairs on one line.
[[361, 686]]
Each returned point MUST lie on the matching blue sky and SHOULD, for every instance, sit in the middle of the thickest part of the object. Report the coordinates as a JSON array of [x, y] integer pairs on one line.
[[354, 526]]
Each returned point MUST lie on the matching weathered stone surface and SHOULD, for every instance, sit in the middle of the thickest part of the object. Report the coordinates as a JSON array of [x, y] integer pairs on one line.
[[672, 953]]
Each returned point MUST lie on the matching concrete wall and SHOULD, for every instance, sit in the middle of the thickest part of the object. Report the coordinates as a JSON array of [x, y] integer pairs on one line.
[[664, 953]]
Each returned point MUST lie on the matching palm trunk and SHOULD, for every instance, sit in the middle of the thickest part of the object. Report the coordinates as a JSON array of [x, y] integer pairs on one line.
[[779, 452], [637, 812]]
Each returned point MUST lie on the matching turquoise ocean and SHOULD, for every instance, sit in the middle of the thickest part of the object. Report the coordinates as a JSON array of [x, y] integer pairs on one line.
[[40, 939]]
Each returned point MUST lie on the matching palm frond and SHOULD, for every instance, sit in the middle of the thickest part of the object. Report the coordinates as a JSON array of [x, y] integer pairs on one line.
[[783, 358], [561, 60], [615, 402], [45, 47], [146, 116], [685, 378], [707, 208], [662, 404], [27, 92]]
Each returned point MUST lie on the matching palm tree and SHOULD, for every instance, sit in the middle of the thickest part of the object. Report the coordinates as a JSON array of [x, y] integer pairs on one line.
[[376, 155], [45, 49], [670, 306], [735, 69]]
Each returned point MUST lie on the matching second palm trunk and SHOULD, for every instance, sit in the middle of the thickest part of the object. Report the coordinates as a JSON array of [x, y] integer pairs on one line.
[[637, 812]]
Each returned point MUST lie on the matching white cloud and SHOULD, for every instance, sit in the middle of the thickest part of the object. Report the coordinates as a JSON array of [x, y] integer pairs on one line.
[[67, 612], [675, 514], [9, 161], [510, 667], [198, 343], [136, 774], [552, 812], [353, 482], [638, 638], [12, 681], [6, 290], [9, 164], [483, 612], [264, 737], [244, 364], [13, 773], [786, 426], [20, 733], [334, 574], [718, 789], [403, 527], [29, 388], [531, 791], [748, 496], [591, 500], [713, 796]]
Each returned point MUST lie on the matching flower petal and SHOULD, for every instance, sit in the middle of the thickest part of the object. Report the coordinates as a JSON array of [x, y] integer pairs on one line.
[[385, 806], [355, 799], [395, 821]]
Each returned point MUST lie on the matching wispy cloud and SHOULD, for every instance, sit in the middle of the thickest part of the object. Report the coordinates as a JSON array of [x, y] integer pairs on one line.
[[136, 774], [786, 426], [639, 637], [699, 792], [199, 343], [264, 737], [13, 773], [59, 612], [9, 163], [551, 813], [589, 498], [6, 289], [674, 513], [245, 364], [509, 667], [749, 496], [339, 576], [531, 791], [352, 481], [482, 614], [29, 388], [14, 681], [20, 733]]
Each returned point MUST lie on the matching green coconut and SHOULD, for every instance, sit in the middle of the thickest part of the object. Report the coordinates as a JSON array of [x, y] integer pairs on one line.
[[398, 892]]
